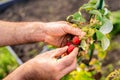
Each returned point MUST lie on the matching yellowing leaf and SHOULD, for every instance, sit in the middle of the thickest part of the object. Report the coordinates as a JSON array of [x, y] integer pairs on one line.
[[105, 42]]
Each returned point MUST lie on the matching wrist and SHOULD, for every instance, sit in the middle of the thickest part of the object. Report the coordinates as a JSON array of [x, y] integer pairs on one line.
[[19, 73], [36, 32]]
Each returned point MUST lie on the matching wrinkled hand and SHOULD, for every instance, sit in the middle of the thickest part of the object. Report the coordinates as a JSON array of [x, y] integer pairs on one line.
[[56, 32], [46, 67], [50, 68]]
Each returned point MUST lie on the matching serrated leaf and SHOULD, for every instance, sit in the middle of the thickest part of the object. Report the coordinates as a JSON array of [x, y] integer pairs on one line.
[[99, 35], [105, 42], [106, 27]]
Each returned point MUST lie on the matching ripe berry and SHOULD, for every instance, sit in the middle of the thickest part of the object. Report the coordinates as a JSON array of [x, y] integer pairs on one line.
[[70, 48], [68, 43], [76, 40]]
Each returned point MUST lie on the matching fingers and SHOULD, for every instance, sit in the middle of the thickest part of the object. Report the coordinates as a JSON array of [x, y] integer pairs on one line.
[[54, 53], [68, 69], [59, 51], [71, 67], [68, 60], [73, 31]]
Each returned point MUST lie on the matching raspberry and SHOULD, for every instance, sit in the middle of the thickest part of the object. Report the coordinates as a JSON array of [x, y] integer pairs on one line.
[[70, 48], [68, 43], [76, 40]]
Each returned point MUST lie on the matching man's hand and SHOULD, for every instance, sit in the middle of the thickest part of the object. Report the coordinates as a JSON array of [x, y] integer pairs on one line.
[[46, 67], [55, 33]]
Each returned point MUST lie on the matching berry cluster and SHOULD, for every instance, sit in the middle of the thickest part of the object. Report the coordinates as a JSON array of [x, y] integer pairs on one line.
[[73, 43]]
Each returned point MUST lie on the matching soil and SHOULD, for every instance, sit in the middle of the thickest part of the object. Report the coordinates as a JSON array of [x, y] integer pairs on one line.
[[53, 10]]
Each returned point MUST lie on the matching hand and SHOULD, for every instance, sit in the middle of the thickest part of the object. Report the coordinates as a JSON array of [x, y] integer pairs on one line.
[[55, 33], [46, 67]]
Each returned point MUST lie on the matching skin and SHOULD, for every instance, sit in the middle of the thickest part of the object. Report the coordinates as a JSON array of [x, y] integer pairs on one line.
[[12, 33], [44, 66]]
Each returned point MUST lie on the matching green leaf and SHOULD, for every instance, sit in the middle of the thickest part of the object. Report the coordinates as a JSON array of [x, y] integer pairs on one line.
[[96, 12], [93, 1], [102, 54], [83, 75], [88, 7], [67, 77], [99, 35], [106, 27], [106, 11], [78, 17], [105, 42]]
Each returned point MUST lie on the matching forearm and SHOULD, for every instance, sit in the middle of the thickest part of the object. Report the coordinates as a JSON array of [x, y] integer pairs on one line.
[[12, 33], [27, 72], [17, 74], [23, 72]]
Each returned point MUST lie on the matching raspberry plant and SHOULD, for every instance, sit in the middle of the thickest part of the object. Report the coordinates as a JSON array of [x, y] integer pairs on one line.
[[93, 46]]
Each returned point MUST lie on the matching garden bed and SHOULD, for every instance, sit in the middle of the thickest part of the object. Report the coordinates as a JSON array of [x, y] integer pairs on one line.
[[54, 10]]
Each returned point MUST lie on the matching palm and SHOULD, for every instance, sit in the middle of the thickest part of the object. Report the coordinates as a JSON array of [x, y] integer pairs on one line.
[[56, 33]]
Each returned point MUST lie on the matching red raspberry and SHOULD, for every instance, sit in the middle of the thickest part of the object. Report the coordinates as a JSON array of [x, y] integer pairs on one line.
[[68, 43], [70, 48], [76, 40]]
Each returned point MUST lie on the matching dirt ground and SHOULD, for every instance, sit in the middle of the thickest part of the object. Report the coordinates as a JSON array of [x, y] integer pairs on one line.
[[50, 10]]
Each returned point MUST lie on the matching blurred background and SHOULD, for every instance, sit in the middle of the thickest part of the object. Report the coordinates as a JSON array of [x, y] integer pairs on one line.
[[50, 10]]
